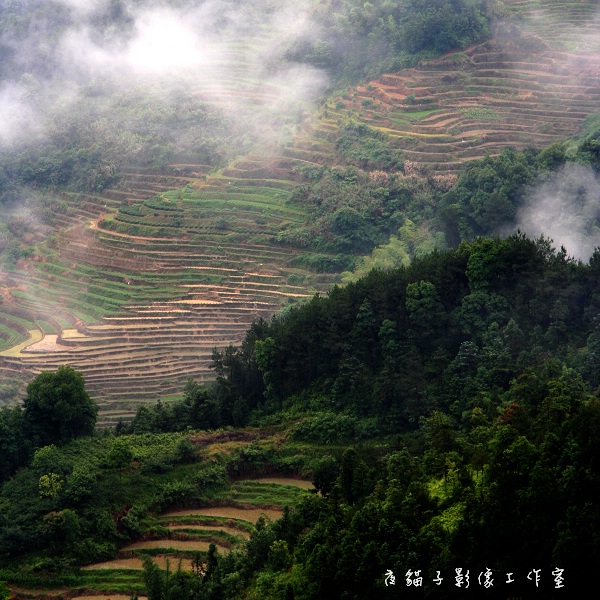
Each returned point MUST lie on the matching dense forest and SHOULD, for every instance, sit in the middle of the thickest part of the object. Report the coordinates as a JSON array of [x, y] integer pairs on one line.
[[479, 365], [359, 40], [354, 210], [455, 401]]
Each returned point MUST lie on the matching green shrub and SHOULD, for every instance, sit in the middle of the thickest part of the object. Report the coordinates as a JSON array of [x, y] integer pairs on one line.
[[132, 521], [90, 550], [134, 211], [155, 464], [213, 477], [326, 428], [174, 493], [185, 452]]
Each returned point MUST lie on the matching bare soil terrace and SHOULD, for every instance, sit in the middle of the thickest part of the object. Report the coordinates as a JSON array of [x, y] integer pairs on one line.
[[533, 84]]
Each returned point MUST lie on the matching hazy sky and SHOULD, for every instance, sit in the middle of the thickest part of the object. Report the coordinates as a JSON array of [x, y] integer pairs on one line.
[[69, 44], [565, 208]]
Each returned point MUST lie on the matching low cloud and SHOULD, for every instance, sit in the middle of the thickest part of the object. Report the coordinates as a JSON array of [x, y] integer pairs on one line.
[[114, 45], [565, 208]]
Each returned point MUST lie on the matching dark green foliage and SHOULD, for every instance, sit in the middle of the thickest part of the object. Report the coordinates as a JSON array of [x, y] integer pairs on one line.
[[279, 558], [57, 407], [367, 148], [442, 26], [4, 592], [172, 583], [80, 485], [490, 192], [119, 456], [490, 403], [325, 475], [15, 445], [198, 410], [321, 263], [589, 150], [487, 195], [470, 445], [464, 382], [480, 397], [351, 212], [249, 461], [449, 333], [334, 429], [185, 451], [358, 40], [60, 529], [79, 500]]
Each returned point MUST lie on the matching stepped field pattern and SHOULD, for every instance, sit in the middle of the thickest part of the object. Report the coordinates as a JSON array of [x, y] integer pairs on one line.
[[187, 534], [138, 283], [532, 84]]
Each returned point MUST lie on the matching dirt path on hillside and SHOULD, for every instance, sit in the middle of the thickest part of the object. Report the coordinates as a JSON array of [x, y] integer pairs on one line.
[[301, 483], [229, 512]]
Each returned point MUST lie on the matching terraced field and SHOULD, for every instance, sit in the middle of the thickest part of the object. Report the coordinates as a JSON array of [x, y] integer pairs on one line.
[[186, 534], [140, 283], [181, 537], [531, 85], [137, 298], [143, 281], [569, 26]]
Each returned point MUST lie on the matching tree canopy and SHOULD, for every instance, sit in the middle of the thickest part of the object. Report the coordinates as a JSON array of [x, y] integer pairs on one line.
[[57, 407]]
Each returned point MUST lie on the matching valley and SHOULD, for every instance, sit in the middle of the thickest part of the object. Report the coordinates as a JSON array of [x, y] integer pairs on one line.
[[189, 195]]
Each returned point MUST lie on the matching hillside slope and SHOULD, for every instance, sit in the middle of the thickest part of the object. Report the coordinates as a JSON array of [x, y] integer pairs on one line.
[[140, 282], [533, 83]]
